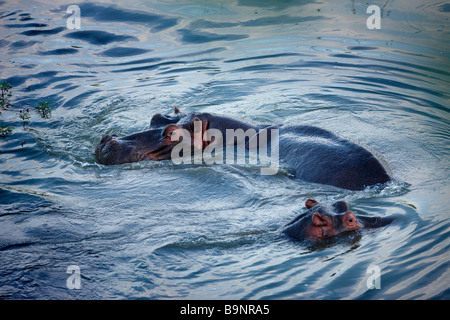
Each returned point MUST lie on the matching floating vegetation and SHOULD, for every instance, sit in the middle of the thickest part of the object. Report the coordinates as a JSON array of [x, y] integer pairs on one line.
[[43, 109], [5, 103], [24, 114], [5, 131]]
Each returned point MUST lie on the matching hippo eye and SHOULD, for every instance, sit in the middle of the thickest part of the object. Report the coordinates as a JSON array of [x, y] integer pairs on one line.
[[170, 134], [173, 136], [350, 220]]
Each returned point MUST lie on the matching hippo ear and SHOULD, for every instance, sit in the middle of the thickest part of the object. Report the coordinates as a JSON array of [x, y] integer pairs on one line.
[[199, 129], [319, 220], [176, 110], [310, 203], [341, 206]]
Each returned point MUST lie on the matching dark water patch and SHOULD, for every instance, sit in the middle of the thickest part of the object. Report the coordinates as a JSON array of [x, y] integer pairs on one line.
[[58, 52], [389, 83], [394, 65], [33, 100], [115, 14], [361, 48], [429, 70], [50, 81], [268, 56], [387, 65], [203, 52], [26, 25], [99, 37], [32, 33], [445, 7], [387, 68], [191, 36], [384, 91], [206, 24], [413, 54], [187, 69], [205, 242], [10, 198], [26, 152], [258, 68], [345, 56], [23, 44], [279, 20], [50, 77], [18, 80], [25, 17], [15, 246], [150, 67], [77, 100], [140, 61], [273, 5], [120, 52], [258, 22], [8, 14], [29, 66], [65, 85]]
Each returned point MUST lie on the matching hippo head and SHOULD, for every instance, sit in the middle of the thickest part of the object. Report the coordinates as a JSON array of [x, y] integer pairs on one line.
[[322, 222], [155, 144]]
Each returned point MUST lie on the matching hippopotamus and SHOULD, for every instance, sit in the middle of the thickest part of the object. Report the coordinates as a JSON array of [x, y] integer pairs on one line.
[[158, 142], [322, 222], [310, 153]]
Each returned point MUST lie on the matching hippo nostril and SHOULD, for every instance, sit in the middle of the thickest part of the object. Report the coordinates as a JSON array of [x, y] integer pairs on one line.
[[105, 139], [109, 149]]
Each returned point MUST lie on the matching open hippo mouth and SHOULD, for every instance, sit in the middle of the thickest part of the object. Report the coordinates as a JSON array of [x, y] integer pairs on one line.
[[113, 150], [154, 144]]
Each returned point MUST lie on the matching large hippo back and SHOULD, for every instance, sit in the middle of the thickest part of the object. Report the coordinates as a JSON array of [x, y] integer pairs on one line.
[[320, 156]]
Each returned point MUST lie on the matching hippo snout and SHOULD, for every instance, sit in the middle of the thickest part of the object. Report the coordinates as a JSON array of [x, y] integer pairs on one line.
[[111, 150], [321, 222], [106, 138]]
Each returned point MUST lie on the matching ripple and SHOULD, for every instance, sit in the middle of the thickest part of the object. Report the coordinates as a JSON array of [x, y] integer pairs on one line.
[[158, 230], [23, 44], [32, 33], [26, 25], [124, 52], [192, 36], [58, 52], [116, 14], [96, 37]]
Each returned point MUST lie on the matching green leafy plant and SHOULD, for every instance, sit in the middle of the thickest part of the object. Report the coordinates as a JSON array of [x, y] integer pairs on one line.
[[5, 131], [44, 110], [25, 114], [5, 103]]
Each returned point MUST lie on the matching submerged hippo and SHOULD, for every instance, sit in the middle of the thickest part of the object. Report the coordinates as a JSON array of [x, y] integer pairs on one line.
[[321, 222], [311, 153]]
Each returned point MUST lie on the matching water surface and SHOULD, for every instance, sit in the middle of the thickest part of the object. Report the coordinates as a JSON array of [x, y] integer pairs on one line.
[[156, 230]]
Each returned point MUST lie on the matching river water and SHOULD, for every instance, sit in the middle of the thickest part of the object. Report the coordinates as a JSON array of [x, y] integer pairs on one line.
[[156, 230]]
